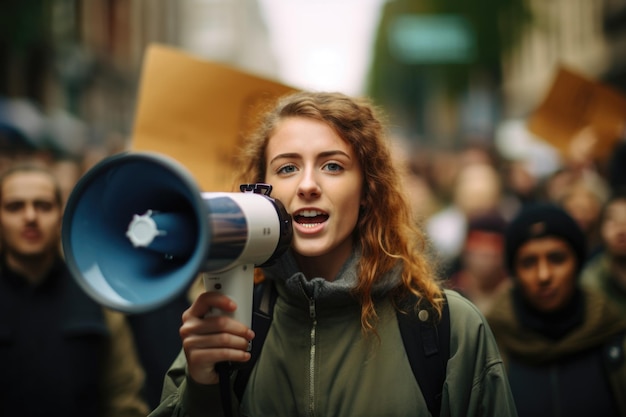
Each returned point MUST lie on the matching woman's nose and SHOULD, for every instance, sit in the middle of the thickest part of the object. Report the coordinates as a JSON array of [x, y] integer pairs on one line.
[[308, 186]]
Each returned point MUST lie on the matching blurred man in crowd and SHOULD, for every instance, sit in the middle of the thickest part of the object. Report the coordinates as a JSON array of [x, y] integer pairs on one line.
[[62, 354]]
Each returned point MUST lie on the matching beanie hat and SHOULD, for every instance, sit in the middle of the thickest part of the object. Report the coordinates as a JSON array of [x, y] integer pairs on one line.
[[541, 220]]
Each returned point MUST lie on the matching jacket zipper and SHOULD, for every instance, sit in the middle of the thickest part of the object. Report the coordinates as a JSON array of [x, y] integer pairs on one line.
[[312, 358]]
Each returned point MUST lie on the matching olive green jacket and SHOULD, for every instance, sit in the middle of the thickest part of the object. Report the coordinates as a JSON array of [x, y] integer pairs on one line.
[[317, 362]]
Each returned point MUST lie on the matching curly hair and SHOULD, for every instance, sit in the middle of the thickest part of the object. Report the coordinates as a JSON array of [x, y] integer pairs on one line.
[[386, 230]]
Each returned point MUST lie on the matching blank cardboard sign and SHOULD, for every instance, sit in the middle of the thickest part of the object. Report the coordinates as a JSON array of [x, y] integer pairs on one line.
[[198, 112], [576, 106]]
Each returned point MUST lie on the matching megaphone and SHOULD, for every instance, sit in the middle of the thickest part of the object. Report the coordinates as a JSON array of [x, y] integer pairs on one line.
[[137, 231]]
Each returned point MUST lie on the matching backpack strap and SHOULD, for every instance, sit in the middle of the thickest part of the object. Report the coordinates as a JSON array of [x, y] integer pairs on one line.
[[427, 344], [264, 298]]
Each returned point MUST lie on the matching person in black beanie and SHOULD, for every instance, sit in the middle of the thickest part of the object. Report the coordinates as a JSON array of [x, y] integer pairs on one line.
[[563, 345]]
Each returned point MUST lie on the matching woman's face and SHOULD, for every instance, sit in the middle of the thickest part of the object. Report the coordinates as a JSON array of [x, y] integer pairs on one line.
[[546, 271], [318, 178]]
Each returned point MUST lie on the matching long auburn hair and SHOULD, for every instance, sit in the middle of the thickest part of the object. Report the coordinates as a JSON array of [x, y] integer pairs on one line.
[[386, 230]]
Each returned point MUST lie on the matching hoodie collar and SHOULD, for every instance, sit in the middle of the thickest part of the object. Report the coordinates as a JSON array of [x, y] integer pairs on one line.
[[286, 270]]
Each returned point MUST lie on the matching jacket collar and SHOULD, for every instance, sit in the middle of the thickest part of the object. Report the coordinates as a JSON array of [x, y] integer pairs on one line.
[[286, 270]]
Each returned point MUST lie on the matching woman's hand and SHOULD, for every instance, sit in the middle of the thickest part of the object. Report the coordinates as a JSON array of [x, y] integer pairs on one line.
[[209, 339]]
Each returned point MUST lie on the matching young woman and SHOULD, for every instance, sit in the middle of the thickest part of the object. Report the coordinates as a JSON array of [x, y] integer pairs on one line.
[[334, 347]]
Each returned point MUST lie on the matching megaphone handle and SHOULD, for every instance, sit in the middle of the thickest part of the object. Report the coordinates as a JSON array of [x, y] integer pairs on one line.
[[238, 284]]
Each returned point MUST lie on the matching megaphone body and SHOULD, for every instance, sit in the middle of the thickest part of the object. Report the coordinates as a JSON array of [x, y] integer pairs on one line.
[[137, 231]]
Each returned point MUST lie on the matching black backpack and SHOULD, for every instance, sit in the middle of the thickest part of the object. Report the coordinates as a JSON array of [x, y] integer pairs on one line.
[[426, 342]]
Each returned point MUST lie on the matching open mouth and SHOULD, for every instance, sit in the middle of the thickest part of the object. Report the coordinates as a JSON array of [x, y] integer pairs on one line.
[[310, 218]]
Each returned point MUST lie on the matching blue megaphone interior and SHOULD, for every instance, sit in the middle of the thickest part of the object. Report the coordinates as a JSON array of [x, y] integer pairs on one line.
[[97, 216]]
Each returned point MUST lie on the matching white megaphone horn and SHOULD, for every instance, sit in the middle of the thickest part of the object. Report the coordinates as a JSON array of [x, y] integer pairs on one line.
[[137, 231]]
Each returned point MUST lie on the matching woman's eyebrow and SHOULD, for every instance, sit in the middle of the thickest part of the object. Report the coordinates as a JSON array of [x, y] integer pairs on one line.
[[333, 153], [285, 156], [293, 155]]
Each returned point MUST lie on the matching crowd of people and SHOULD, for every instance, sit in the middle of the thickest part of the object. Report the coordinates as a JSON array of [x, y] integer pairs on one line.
[[530, 271]]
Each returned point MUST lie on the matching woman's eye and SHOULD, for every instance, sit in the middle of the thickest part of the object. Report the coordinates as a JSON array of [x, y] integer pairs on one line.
[[333, 167], [286, 169]]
